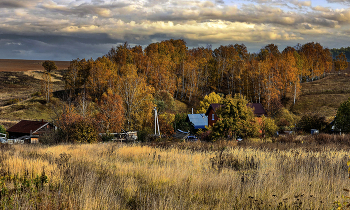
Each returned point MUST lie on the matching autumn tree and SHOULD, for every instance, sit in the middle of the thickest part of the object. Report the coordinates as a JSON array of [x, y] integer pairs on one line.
[[76, 76], [103, 75], [48, 66], [268, 126], [164, 102], [111, 112], [166, 121], [340, 63], [137, 97], [235, 119], [212, 98]]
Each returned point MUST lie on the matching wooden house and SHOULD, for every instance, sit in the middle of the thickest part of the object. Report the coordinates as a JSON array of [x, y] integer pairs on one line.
[[258, 108], [28, 130], [211, 113]]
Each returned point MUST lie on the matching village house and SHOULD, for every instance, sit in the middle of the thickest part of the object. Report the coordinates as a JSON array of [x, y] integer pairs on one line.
[[28, 130], [199, 121]]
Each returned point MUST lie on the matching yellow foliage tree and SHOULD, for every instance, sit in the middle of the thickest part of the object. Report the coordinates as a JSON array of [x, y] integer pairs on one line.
[[212, 98], [111, 116], [137, 99]]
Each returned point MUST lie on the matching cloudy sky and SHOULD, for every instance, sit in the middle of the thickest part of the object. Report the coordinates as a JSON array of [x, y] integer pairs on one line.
[[67, 29]]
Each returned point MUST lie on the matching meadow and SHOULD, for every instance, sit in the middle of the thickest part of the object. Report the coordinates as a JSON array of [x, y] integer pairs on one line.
[[196, 175]]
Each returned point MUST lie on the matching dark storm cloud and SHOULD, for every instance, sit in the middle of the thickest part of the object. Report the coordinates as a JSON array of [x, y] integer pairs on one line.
[[58, 47], [85, 9], [11, 4], [71, 29]]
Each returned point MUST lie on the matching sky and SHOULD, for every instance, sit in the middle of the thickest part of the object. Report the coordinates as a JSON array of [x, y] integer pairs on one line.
[[67, 29]]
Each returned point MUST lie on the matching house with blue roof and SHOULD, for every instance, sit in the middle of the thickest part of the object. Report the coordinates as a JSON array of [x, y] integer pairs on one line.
[[199, 121]]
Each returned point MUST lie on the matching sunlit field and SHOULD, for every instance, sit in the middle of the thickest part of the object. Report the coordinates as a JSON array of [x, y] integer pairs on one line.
[[115, 176]]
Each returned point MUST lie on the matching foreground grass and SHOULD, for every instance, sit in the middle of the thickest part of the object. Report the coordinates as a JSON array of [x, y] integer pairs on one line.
[[112, 176]]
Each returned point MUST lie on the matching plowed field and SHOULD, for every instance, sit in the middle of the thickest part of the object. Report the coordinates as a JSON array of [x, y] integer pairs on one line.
[[25, 65]]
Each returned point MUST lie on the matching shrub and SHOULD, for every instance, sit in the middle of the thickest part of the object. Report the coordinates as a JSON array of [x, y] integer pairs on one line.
[[143, 134], [38, 93], [285, 120], [12, 101], [308, 122], [342, 120], [107, 137], [229, 161], [204, 135], [2, 129], [84, 131]]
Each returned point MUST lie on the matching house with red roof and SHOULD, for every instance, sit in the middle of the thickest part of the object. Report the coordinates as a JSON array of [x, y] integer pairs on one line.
[[29, 130], [258, 108]]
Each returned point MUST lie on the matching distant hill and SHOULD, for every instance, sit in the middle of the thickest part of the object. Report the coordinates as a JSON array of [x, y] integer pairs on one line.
[[25, 65]]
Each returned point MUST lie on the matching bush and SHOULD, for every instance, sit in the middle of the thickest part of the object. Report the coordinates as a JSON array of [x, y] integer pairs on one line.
[[204, 135], [229, 161], [80, 131], [308, 122], [143, 134], [36, 94], [84, 131], [285, 120], [342, 120], [12, 101], [107, 137], [2, 129]]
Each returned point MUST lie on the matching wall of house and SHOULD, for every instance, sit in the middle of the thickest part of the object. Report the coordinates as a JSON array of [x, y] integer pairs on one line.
[[211, 121]]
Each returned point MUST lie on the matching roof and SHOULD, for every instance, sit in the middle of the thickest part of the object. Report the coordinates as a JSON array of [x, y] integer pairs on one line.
[[214, 107], [27, 126], [198, 120], [258, 109]]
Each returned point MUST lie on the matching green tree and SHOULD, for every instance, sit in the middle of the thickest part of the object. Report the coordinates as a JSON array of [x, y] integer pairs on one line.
[[308, 122], [342, 120], [212, 98], [235, 119], [267, 126], [181, 123], [48, 66]]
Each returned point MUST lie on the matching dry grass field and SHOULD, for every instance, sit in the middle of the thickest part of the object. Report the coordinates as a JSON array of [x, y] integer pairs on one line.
[[114, 176], [19, 80], [324, 96]]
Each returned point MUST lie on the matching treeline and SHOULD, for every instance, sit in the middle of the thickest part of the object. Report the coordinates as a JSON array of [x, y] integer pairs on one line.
[[138, 79], [337, 51], [190, 74]]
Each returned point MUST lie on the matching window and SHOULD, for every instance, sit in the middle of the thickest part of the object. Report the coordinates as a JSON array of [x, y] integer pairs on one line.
[[212, 117]]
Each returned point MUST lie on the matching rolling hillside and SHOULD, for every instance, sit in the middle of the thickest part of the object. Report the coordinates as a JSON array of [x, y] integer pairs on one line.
[[324, 96]]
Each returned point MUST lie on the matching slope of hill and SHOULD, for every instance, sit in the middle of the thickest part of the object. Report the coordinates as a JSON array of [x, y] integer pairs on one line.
[[324, 96]]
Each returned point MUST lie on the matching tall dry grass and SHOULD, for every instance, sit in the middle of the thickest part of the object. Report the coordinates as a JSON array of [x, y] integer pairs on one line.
[[114, 176]]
